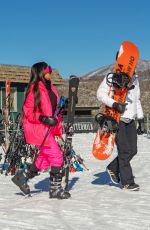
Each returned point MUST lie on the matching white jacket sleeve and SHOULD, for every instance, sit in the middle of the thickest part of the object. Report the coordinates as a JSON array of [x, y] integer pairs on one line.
[[139, 109], [105, 93]]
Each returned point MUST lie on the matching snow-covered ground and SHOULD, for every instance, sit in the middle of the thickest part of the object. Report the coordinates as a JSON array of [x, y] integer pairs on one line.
[[95, 203]]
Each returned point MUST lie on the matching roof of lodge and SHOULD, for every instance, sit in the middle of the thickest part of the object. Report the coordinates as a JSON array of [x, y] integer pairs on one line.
[[21, 74]]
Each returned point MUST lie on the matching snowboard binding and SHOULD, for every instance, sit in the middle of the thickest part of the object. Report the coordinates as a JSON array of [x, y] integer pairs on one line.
[[106, 123], [118, 80]]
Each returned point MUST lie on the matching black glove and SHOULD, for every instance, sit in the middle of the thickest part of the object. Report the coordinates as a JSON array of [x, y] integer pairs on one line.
[[52, 121], [141, 128], [119, 107]]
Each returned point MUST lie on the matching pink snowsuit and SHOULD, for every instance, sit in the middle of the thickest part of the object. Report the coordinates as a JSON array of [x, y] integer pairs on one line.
[[34, 130]]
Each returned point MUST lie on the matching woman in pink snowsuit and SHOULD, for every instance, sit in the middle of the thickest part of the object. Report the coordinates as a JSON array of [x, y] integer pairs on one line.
[[39, 108]]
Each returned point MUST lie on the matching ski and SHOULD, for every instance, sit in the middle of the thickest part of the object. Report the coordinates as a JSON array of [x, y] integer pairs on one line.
[[69, 130]]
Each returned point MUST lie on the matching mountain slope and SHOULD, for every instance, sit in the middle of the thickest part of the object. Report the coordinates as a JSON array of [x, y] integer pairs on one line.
[[92, 80], [142, 66], [89, 84]]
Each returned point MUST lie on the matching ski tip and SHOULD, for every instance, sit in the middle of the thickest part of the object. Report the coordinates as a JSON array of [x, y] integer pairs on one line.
[[73, 76]]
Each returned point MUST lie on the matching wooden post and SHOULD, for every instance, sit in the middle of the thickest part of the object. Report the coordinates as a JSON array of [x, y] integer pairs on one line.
[[7, 112]]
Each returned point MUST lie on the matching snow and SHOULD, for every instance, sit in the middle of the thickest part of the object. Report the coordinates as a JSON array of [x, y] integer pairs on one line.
[[95, 203]]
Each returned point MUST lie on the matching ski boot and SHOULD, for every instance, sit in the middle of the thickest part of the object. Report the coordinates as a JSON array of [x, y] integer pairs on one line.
[[20, 179], [56, 190], [22, 176]]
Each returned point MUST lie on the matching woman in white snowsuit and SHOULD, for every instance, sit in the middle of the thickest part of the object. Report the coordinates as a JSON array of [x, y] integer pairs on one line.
[[126, 138]]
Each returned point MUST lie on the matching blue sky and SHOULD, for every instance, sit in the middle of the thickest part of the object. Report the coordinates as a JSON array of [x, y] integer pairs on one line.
[[73, 36]]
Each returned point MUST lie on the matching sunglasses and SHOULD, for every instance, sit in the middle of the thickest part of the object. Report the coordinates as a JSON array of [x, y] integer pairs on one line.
[[48, 69]]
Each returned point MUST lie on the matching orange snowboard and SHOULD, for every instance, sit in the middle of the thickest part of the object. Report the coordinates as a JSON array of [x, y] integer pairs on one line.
[[126, 63]]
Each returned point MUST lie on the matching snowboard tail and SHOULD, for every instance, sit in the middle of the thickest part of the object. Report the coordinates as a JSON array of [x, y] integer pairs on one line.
[[126, 62], [103, 145]]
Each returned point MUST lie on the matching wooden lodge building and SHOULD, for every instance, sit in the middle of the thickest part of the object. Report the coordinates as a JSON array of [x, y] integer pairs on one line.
[[17, 78]]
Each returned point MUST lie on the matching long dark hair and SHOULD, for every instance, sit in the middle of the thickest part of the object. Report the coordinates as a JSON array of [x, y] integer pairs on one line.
[[37, 74]]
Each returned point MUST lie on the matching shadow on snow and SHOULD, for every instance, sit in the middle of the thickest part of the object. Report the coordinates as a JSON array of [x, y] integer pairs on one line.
[[44, 184], [103, 179]]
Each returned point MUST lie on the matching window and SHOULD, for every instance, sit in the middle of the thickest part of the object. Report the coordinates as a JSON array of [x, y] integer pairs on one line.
[[13, 99]]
